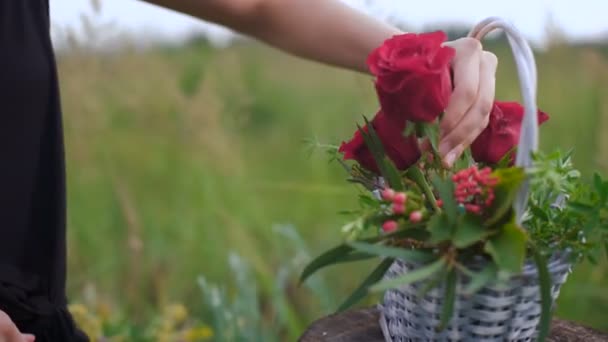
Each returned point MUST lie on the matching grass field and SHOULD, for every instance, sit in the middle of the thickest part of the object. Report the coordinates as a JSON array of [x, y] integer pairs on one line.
[[181, 159]]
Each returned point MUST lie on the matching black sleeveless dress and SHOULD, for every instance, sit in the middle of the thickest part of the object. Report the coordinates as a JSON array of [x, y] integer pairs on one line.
[[32, 181]]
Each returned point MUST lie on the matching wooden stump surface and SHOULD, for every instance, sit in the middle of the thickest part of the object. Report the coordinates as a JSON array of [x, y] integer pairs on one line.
[[362, 326]]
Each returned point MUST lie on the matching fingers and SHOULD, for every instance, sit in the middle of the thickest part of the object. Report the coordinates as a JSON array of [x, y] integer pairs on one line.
[[8, 330], [466, 82], [476, 117], [28, 338]]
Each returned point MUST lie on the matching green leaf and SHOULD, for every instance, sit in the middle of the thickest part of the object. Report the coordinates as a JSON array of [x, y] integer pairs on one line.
[[469, 231], [545, 295], [538, 212], [509, 181], [372, 278], [506, 159], [440, 228], [386, 166], [430, 284], [366, 200], [597, 182], [431, 131], [341, 252], [416, 256], [421, 273], [606, 248], [447, 310], [582, 208], [601, 187], [416, 175], [465, 161], [410, 128], [508, 247], [593, 220], [355, 256], [481, 279], [329, 257], [416, 233], [354, 228], [445, 187]]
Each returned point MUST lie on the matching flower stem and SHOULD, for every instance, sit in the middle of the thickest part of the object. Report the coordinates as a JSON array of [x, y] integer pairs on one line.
[[417, 176]]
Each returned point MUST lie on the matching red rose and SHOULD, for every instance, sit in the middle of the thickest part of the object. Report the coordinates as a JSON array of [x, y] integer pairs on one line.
[[403, 151], [413, 79], [502, 133]]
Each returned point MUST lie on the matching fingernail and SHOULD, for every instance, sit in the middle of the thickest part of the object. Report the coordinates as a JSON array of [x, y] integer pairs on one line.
[[450, 158]]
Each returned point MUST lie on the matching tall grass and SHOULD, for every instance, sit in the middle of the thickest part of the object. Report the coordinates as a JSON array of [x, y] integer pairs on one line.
[[178, 156]]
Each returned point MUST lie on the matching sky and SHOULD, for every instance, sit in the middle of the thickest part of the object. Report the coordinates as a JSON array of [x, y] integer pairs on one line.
[[579, 19]]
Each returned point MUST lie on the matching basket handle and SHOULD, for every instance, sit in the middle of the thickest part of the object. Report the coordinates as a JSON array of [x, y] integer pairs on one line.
[[526, 70]]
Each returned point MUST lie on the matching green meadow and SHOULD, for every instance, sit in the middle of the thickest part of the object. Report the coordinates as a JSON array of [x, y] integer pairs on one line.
[[195, 199]]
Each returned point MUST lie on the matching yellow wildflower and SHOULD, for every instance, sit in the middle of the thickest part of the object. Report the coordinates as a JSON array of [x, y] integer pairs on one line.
[[198, 334], [88, 322], [176, 313]]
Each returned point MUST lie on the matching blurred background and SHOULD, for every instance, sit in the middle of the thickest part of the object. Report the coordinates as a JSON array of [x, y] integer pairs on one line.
[[194, 198]]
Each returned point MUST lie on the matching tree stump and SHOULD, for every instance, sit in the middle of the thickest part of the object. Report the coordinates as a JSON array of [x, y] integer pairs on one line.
[[362, 326]]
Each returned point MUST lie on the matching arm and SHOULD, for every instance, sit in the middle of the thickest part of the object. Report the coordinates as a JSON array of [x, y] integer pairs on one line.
[[322, 30], [331, 32]]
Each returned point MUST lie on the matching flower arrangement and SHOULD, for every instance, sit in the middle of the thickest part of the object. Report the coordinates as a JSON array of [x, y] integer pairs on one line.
[[457, 225]]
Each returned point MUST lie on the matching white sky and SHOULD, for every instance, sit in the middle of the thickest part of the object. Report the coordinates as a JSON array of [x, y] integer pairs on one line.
[[578, 18]]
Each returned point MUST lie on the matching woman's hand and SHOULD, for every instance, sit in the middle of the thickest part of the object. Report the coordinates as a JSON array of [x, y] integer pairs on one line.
[[468, 110], [9, 331]]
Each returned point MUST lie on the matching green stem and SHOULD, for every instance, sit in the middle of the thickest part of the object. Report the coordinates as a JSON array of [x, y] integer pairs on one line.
[[417, 176]]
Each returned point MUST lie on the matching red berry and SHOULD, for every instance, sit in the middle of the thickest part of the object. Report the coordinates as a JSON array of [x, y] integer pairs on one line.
[[475, 173], [439, 203], [416, 216], [469, 184], [389, 226], [461, 193], [489, 199], [461, 199], [473, 208], [400, 198], [398, 208], [388, 194]]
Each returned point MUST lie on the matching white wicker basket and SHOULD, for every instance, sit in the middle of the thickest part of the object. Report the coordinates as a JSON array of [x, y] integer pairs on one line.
[[505, 312]]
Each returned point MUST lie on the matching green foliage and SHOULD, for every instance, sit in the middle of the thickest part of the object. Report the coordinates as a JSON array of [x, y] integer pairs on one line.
[[509, 182], [449, 297], [440, 228], [445, 188], [508, 248], [415, 256], [545, 294], [361, 291], [332, 256], [469, 231], [565, 212], [482, 278], [421, 273]]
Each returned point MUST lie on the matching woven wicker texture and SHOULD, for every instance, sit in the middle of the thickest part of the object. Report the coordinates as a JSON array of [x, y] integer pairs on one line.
[[505, 312]]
